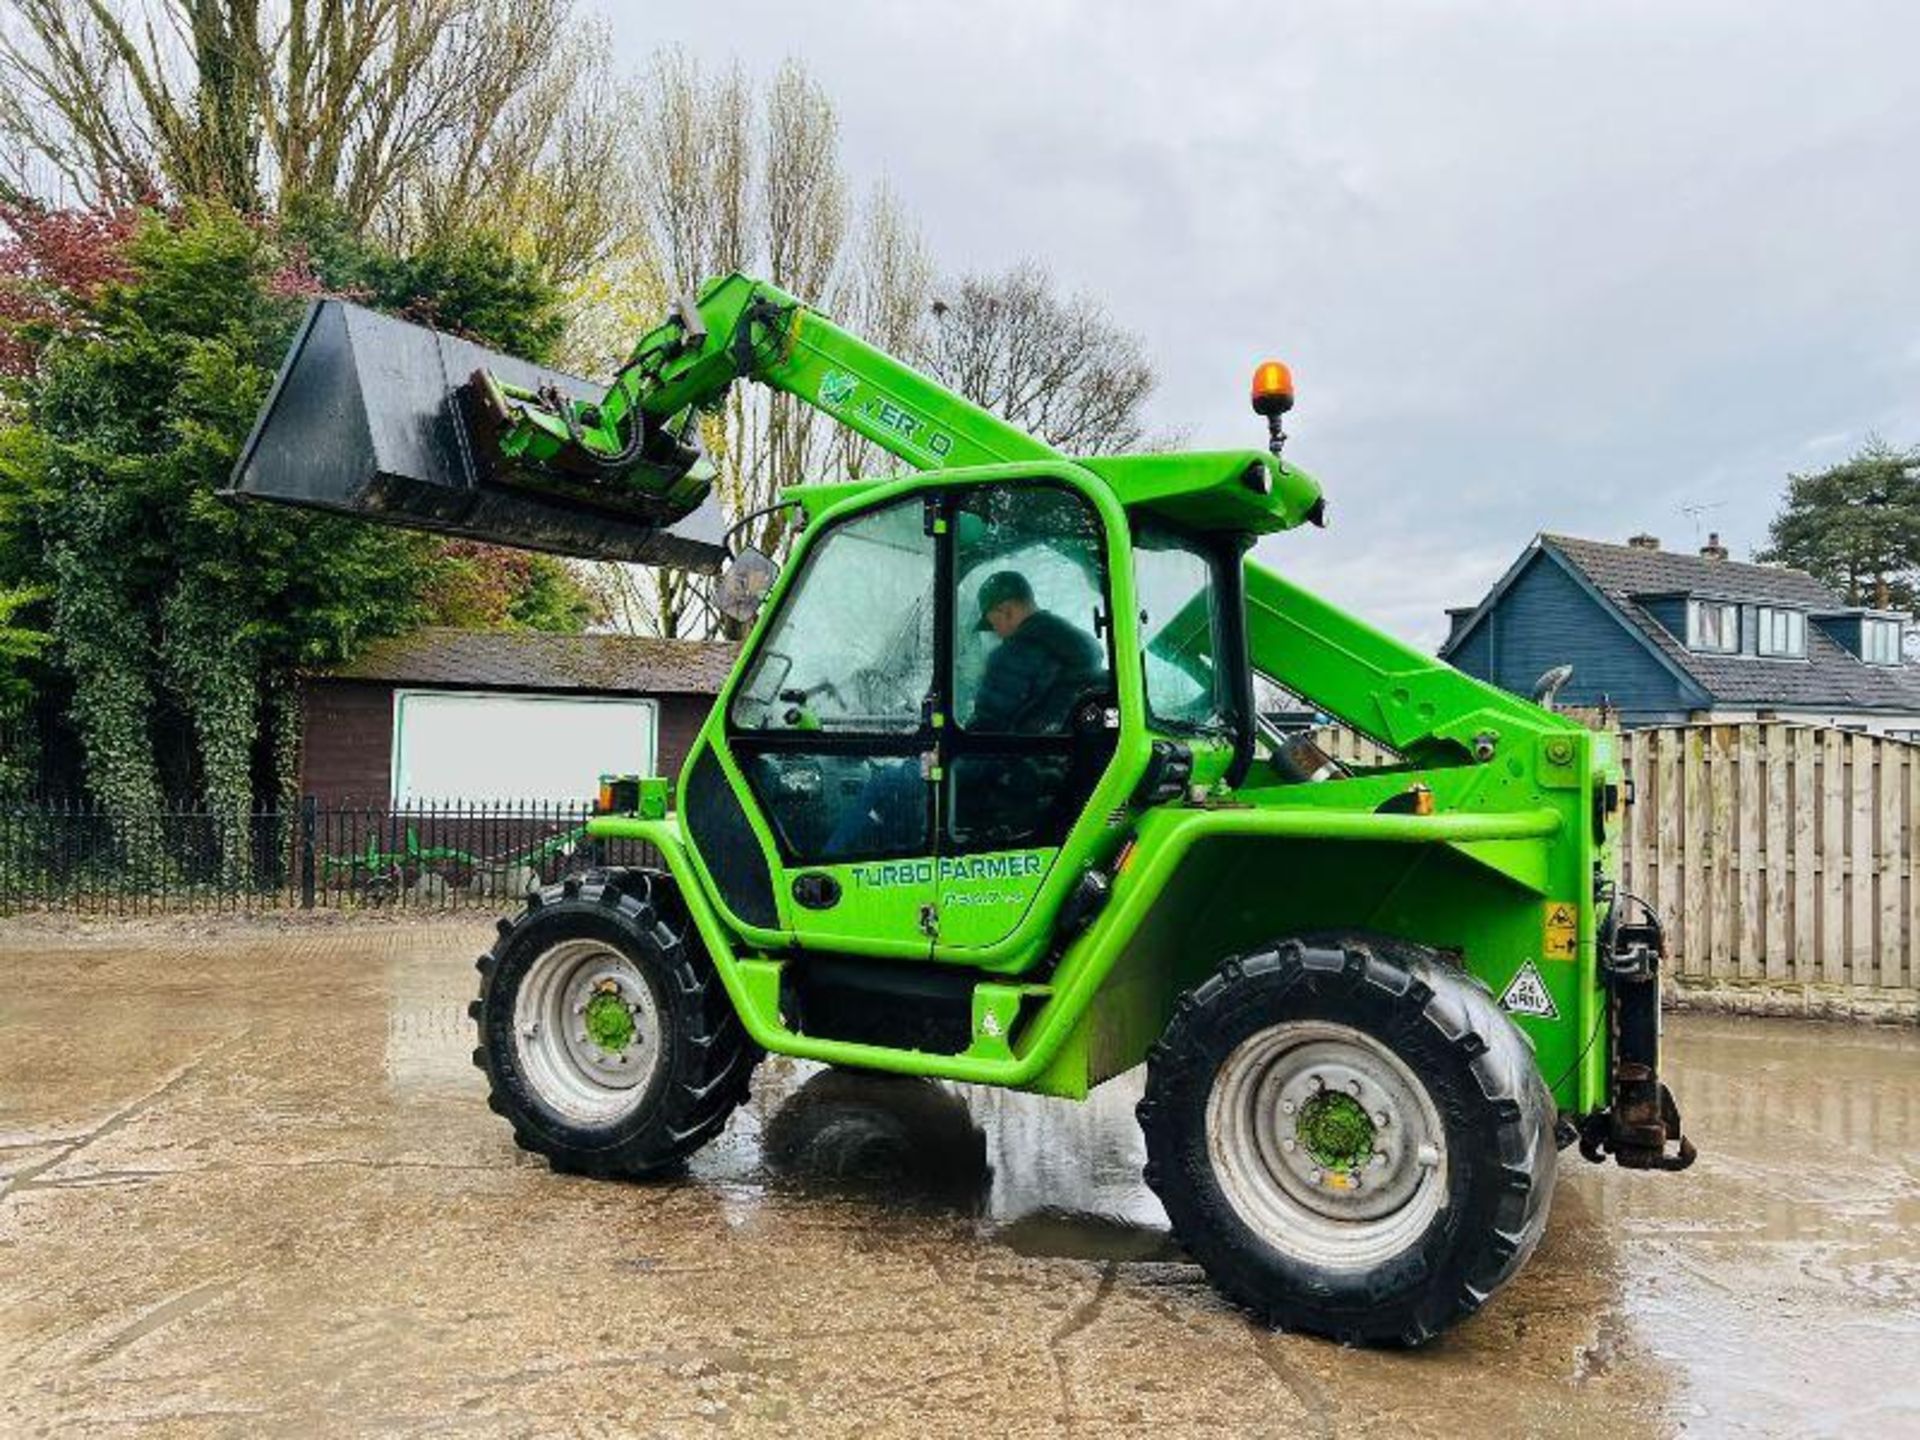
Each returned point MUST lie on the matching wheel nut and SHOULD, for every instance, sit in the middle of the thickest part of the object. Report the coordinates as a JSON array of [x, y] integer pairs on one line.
[[1314, 1175], [1317, 1083], [1379, 1158], [1353, 1086], [1287, 1107], [1428, 1156], [1380, 1117], [1287, 1144]]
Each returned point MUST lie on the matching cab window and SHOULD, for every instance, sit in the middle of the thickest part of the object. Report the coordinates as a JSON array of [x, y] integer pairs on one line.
[[1182, 632], [851, 651], [1028, 617], [1032, 684], [827, 722]]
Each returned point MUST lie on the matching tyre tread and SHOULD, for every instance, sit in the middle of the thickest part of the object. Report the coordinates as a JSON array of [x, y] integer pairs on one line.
[[711, 1059], [1416, 987]]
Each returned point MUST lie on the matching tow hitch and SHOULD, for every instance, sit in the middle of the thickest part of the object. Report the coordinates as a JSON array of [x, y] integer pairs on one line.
[[1643, 1118]]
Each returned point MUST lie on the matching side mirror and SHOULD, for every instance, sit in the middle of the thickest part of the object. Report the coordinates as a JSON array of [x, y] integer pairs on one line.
[[1547, 688], [743, 585]]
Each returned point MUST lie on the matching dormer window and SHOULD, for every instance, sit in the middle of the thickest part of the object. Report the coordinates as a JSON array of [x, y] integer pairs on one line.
[[1781, 634], [1713, 626], [1880, 641]]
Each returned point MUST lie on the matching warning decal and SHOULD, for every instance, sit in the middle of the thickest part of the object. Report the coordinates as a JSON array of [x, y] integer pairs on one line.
[[1560, 934], [1527, 995]]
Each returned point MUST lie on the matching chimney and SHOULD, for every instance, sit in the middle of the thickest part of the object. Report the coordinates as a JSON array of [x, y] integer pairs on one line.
[[1643, 541], [1713, 549]]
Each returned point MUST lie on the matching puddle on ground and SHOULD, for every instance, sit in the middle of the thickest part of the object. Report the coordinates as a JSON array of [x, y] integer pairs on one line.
[[1045, 1177]]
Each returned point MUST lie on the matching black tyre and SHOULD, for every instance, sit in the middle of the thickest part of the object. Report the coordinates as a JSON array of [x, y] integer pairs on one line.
[[606, 1038], [1350, 1137]]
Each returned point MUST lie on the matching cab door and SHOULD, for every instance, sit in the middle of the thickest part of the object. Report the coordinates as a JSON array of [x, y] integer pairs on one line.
[[832, 727], [1032, 710]]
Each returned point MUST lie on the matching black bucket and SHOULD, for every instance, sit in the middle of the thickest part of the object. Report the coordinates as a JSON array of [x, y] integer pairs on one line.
[[369, 417]]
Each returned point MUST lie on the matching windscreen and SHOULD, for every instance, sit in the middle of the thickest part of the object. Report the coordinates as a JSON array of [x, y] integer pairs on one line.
[[1181, 632]]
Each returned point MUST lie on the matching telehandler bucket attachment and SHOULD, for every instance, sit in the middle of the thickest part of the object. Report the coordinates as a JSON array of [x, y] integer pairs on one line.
[[375, 417]]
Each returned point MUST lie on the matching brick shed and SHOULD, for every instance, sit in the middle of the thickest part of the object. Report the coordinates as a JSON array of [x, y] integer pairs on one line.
[[468, 715]]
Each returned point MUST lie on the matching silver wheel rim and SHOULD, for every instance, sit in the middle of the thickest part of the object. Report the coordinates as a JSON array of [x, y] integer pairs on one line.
[[577, 1054], [1338, 1212]]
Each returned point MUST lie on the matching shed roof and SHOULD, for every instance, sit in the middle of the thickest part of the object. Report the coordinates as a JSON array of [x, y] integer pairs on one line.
[[538, 660]]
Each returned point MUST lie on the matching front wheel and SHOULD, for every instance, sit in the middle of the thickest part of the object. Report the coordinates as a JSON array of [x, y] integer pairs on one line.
[[606, 1038], [1350, 1137]]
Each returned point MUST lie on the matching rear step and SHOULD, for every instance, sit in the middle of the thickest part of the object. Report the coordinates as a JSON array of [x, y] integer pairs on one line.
[[374, 417]]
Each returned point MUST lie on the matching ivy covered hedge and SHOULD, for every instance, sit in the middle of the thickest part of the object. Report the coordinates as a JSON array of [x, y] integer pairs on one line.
[[136, 348]]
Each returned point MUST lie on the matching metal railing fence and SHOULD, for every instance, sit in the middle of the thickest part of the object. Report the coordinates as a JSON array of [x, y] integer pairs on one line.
[[84, 857]]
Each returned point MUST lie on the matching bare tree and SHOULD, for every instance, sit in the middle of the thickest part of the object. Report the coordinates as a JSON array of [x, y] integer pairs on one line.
[[735, 176], [1059, 368], [885, 294], [415, 117]]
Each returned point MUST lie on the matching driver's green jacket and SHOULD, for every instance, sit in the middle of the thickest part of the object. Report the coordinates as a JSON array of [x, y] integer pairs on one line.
[[1033, 677]]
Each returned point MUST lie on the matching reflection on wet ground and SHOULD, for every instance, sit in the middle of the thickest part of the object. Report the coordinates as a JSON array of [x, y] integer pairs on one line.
[[247, 1180]]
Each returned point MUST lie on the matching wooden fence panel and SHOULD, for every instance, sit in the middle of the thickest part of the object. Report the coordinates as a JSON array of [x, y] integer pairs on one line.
[[1777, 894], [1833, 846], [1669, 807], [1892, 771], [1696, 843], [1778, 854], [1860, 915], [1750, 827], [1806, 801], [1718, 949]]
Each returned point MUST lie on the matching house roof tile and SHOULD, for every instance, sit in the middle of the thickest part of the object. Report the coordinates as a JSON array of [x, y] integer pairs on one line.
[[1829, 677]]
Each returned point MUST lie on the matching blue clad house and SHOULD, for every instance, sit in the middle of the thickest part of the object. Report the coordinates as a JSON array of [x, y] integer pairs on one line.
[[1664, 638]]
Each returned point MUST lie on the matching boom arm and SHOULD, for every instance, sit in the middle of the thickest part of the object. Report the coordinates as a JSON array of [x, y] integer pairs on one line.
[[1420, 706], [741, 328]]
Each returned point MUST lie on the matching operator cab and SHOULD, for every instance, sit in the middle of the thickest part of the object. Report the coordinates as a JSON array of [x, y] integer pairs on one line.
[[927, 710]]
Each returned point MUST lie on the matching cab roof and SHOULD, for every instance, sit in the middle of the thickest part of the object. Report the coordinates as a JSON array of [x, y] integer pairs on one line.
[[1244, 491]]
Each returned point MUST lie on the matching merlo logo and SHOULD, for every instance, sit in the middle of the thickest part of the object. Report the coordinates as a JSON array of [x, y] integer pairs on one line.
[[837, 387]]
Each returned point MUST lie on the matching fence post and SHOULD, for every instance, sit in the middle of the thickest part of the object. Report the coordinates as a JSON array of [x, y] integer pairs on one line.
[[309, 821]]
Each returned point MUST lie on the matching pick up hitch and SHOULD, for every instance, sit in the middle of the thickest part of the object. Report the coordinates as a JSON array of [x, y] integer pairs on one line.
[[1643, 1118]]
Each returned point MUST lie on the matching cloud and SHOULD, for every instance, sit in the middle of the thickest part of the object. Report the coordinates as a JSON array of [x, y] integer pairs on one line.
[[1576, 266]]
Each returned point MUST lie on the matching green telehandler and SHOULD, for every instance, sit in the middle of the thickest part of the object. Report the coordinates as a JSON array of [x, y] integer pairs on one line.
[[988, 797]]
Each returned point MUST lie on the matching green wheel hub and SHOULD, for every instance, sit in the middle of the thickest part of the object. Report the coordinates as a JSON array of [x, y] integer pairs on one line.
[[589, 1031], [1336, 1130], [609, 1022]]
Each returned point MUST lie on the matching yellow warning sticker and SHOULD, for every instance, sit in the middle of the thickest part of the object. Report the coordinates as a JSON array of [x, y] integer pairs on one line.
[[1560, 934]]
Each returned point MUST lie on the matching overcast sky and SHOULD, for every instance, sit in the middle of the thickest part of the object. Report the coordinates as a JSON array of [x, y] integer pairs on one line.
[[1562, 266]]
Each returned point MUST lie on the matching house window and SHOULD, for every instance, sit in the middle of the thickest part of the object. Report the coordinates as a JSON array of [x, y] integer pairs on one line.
[[1713, 625], [1781, 633], [1880, 642]]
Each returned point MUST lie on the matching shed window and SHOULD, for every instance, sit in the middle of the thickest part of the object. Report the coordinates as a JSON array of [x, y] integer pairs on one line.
[[1880, 642], [551, 749], [1782, 633], [1714, 626]]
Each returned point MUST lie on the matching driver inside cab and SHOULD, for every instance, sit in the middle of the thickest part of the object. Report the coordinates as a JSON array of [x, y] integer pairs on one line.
[[1041, 665]]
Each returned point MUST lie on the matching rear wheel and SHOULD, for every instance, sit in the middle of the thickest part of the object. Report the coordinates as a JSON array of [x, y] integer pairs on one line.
[[606, 1038], [1350, 1137]]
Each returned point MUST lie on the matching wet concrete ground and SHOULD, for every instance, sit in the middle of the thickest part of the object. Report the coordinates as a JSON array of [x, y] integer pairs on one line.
[[248, 1184]]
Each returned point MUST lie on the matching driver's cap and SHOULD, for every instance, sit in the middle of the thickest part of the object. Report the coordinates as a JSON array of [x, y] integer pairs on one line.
[[1000, 587]]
